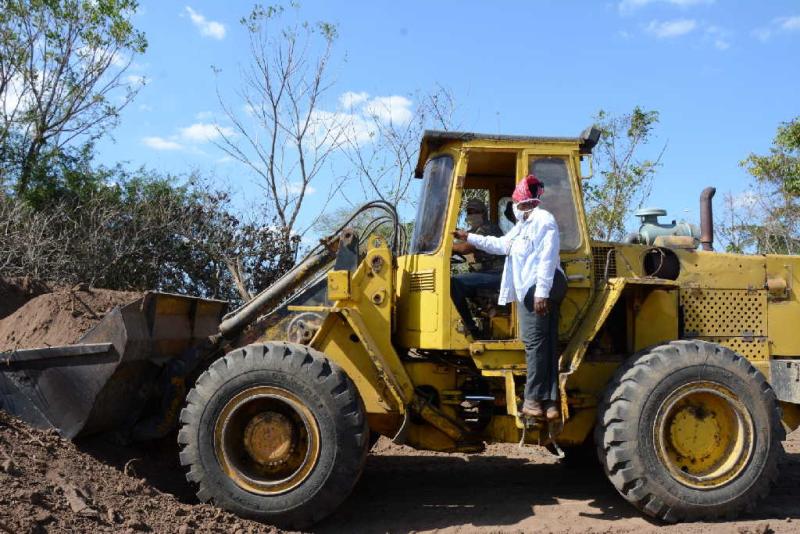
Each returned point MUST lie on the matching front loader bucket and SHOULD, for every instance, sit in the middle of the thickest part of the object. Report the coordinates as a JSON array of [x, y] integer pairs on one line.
[[104, 380]]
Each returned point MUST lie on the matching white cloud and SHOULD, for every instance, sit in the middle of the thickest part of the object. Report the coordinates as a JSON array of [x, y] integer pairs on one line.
[[159, 143], [16, 97], [189, 137], [778, 25], [202, 132], [719, 37], [351, 99], [789, 23], [671, 28], [204, 115], [135, 79], [358, 118], [330, 127], [294, 188], [118, 60], [390, 109], [208, 28], [721, 44], [145, 107], [626, 6]]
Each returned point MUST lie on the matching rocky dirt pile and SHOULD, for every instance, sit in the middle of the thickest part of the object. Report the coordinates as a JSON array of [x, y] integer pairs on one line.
[[59, 317], [49, 485]]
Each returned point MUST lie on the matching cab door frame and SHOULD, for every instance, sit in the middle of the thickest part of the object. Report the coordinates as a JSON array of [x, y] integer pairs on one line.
[[577, 263]]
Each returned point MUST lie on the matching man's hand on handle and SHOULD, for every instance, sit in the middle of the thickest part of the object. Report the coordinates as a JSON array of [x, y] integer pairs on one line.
[[460, 234]]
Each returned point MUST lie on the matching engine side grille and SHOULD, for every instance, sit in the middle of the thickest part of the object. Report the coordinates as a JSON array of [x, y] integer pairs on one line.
[[601, 255], [422, 281]]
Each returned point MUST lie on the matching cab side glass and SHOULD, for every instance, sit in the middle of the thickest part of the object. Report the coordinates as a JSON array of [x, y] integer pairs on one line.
[[432, 206], [557, 198]]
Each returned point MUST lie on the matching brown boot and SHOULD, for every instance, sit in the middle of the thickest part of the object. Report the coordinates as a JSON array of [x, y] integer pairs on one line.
[[532, 408], [552, 413]]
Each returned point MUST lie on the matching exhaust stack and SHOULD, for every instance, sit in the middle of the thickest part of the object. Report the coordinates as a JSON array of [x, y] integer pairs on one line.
[[707, 218]]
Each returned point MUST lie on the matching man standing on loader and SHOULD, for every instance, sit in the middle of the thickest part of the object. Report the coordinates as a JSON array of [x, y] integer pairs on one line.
[[485, 271], [533, 277]]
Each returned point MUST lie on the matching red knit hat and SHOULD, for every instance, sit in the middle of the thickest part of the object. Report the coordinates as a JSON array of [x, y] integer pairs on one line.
[[529, 188]]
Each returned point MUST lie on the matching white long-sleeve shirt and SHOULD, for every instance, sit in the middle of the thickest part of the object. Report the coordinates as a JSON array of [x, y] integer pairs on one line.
[[531, 248]]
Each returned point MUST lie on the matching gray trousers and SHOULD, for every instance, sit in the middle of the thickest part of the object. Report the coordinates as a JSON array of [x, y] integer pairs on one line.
[[539, 335]]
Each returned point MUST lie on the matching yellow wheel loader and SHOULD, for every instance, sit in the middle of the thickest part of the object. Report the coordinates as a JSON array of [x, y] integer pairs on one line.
[[679, 365]]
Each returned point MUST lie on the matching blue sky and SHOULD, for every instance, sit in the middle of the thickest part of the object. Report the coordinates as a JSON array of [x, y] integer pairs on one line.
[[722, 74]]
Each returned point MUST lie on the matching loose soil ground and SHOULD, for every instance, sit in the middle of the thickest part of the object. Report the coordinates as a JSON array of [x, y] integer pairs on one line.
[[48, 485], [96, 485]]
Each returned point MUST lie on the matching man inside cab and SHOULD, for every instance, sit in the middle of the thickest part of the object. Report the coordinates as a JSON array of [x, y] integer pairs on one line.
[[485, 271]]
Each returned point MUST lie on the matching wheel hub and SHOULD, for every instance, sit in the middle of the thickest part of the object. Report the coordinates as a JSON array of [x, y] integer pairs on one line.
[[269, 438], [703, 435], [266, 440]]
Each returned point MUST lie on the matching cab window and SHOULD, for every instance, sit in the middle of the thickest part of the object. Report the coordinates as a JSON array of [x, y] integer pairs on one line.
[[557, 197], [432, 206]]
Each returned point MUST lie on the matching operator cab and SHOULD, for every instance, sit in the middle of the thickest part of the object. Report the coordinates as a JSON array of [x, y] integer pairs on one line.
[[458, 166]]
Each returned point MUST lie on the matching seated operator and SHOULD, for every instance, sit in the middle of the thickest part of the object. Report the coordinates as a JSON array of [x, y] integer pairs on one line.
[[485, 271]]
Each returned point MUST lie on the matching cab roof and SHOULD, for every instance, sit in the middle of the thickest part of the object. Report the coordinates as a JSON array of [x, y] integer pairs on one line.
[[432, 140]]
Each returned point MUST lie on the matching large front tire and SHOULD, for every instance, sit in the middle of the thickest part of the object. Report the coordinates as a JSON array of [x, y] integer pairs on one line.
[[690, 431], [274, 432]]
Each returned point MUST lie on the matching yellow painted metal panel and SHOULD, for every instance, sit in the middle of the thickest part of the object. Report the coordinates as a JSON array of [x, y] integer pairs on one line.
[[503, 429], [656, 320], [336, 339], [338, 285], [503, 354], [784, 314], [422, 305], [578, 427], [717, 270]]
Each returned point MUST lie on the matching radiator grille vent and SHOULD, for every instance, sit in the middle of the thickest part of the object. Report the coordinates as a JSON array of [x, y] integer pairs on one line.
[[752, 349], [724, 312], [422, 281], [601, 255]]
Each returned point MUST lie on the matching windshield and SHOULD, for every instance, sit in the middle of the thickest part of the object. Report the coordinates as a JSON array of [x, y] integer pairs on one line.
[[432, 206]]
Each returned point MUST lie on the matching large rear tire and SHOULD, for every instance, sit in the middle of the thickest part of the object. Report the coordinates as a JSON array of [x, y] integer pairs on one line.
[[274, 432], [690, 431]]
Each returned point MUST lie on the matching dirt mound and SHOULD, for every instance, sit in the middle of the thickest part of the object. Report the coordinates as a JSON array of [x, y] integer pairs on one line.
[[48, 485], [14, 292], [59, 318]]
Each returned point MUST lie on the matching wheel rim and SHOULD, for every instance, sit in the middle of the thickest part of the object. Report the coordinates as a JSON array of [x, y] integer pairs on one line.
[[266, 440], [703, 435]]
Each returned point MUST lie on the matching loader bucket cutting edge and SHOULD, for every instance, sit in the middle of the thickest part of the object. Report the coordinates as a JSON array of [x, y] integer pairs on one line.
[[103, 381]]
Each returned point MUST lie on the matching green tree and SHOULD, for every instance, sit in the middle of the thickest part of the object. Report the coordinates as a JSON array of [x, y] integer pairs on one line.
[[62, 79], [623, 179], [765, 218]]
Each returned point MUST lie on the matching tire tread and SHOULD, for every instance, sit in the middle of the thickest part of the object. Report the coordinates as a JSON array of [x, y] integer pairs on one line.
[[617, 447]]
